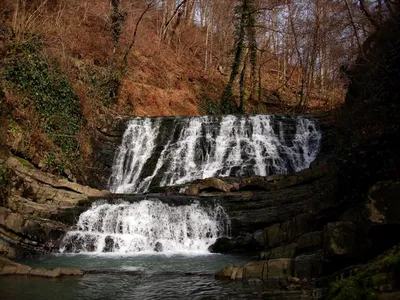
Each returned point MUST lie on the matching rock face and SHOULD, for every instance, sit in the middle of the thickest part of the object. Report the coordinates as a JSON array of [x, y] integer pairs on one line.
[[340, 239], [268, 270], [383, 205], [8, 267], [30, 218]]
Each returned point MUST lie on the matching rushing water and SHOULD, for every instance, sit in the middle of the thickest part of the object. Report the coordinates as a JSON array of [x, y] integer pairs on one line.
[[152, 250], [155, 152], [147, 226]]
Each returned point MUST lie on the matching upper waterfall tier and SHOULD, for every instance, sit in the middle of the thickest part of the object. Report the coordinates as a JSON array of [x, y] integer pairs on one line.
[[169, 151]]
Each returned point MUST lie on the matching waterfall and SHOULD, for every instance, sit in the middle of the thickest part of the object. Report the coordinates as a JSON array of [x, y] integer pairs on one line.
[[147, 226], [166, 151]]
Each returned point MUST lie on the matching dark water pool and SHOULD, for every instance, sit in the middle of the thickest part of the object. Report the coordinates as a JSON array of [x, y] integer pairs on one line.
[[131, 277]]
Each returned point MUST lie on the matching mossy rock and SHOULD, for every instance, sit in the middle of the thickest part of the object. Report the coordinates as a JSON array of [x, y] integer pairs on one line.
[[377, 277]]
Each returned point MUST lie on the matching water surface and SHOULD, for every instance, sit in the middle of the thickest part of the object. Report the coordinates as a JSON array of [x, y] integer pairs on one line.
[[143, 276]]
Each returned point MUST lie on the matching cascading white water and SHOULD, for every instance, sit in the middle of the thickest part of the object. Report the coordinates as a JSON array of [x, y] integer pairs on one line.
[[201, 147], [147, 226]]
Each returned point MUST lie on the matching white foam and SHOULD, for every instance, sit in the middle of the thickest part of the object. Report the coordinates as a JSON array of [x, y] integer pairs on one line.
[[146, 227], [206, 149]]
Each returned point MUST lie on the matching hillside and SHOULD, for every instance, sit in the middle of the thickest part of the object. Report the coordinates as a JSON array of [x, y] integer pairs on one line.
[[60, 59]]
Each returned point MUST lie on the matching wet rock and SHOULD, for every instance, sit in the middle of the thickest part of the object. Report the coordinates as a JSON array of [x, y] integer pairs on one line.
[[287, 251], [45, 273], [215, 183], [192, 190], [253, 269], [308, 266], [293, 287], [309, 242], [35, 213], [79, 243], [255, 183], [109, 244], [70, 272], [294, 280], [29, 172], [158, 247], [222, 245], [390, 296], [283, 233], [343, 239], [259, 238], [8, 267], [278, 269], [238, 275], [383, 205], [226, 272]]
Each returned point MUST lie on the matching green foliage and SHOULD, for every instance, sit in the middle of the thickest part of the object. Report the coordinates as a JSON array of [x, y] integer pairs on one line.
[[28, 72], [117, 19], [103, 83], [4, 178], [228, 106], [366, 282], [210, 107]]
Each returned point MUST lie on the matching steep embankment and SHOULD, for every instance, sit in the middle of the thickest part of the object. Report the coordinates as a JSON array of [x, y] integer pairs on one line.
[[363, 220], [60, 82]]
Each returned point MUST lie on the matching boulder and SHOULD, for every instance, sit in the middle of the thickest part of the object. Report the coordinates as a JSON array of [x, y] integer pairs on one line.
[[274, 270], [278, 269], [309, 241], [70, 272], [158, 247], [222, 245], [282, 233], [255, 183], [308, 266], [234, 272], [287, 251], [7, 267], [239, 274], [383, 205], [260, 238], [215, 183], [343, 239], [46, 273], [226, 272], [109, 244], [192, 190], [254, 269]]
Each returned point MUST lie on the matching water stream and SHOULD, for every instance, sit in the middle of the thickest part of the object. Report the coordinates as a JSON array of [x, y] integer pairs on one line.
[[165, 152], [147, 226], [153, 250]]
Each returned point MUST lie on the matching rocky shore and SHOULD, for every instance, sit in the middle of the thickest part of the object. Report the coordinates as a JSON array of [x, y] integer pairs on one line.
[[30, 214], [8, 268]]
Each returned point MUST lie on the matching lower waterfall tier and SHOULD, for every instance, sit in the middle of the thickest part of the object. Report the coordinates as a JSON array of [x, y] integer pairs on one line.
[[147, 226]]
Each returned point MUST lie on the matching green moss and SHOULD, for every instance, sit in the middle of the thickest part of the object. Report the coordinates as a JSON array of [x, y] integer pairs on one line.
[[24, 162], [210, 107], [42, 83], [365, 283], [4, 183]]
